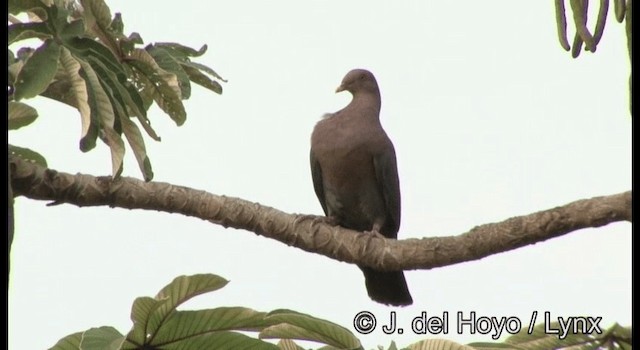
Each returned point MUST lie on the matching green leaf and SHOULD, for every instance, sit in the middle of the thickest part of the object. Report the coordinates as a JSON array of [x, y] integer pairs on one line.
[[180, 50], [38, 71], [438, 344], [541, 339], [88, 48], [77, 90], [293, 325], [109, 118], [99, 104], [180, 290], [134, 137], [220, 341], [205, 69], [135, 38], [167, 91], [73, 29], [103, 338], [141, 311], [11, 58], [186, 324], [18, 6], [126, 94], [116, 146], [197, 77], [117, 25], [288, 344], [22, 31], [70, 342], [25, 53], [492, 346], [20, 115], [28, 154], [97, 13], [102, 103], [97, 16], [164, 59]]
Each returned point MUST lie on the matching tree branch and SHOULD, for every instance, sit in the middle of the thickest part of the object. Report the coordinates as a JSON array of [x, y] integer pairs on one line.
[[312, 233]]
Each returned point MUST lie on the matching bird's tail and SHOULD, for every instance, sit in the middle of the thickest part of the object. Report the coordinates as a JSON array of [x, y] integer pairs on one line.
[[387, 287]]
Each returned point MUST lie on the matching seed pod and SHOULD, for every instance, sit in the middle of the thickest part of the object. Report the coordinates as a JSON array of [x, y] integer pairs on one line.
[[561, 24], [602, 19], [620, 9], [579, 8]]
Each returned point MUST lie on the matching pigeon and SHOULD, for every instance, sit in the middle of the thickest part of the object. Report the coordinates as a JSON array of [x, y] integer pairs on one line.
[[355, 177]]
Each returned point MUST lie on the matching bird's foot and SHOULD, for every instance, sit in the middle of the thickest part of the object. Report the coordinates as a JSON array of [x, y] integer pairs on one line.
[[375, 233], [330, 220]]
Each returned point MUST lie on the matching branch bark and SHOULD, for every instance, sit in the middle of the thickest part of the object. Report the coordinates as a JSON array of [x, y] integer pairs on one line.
[[312, 233]]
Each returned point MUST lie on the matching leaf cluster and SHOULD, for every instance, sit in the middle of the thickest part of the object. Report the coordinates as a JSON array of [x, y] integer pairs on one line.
[[583, 36], [157, 324], [86, 61]]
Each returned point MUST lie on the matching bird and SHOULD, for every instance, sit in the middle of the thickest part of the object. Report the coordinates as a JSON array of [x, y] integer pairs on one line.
[[355, 177]]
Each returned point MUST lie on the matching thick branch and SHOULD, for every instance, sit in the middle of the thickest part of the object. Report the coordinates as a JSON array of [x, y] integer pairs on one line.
[[311, 233]]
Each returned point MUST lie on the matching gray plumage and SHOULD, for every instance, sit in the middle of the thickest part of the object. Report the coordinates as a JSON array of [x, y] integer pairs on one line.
[[355, 176]]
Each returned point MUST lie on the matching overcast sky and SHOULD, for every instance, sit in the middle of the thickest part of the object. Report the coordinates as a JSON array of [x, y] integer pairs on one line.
[[490, 119]]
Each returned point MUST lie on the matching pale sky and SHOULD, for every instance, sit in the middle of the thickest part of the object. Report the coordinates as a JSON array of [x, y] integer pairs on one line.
[[490, 119]]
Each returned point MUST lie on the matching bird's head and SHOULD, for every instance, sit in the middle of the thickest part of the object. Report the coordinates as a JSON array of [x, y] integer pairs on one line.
[[358, 80]]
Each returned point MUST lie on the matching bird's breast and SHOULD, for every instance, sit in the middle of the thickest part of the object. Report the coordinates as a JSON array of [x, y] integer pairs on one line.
[[348, 175]]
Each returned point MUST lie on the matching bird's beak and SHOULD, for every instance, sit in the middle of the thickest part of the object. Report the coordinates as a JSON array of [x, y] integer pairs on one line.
[[340, 88]]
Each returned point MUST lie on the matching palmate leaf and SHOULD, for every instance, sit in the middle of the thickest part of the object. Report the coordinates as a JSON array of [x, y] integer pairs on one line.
[[70, 342], [21, 114], [101, 338], [125, 93], [28, 154], [77, 90], [288, 344], [134, 137], [72, 30], [439, 344], [23, 31], [116, 146], [87, 61], [89, 133], [86, 48], [164, 59], [158, 325], [191, 323], [141, 311], [150, 314], [98, 20], [205, 69], [220, 341], [180, 290], [103, 114], [180, 51], [97, 14], [18, 6], [38, 71], [294, 325], [615, 337], [167, 90], [197, 77], [182, 54]]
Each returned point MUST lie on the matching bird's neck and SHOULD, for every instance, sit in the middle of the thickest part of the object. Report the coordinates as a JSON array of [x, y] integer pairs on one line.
[[367, 101]]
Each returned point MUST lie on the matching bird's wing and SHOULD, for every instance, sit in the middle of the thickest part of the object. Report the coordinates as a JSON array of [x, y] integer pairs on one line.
[[386, 170], [316, 174]]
